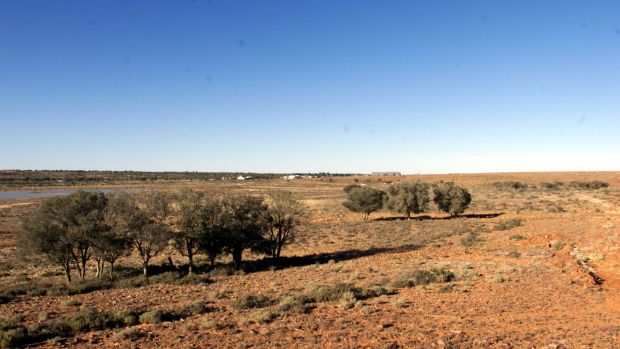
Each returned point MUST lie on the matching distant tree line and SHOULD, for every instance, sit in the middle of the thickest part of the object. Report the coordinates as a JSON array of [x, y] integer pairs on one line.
[[85, 227], [47, 177], [407, 198]]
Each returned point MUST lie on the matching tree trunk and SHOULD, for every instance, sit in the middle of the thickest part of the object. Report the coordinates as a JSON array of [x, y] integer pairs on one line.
[[212, 257], [67, 268], [111, 270], [190, 260], [236, 254], [145, 268]]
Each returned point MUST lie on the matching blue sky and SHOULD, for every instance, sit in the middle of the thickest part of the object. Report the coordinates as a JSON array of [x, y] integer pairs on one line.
[[284, 86]]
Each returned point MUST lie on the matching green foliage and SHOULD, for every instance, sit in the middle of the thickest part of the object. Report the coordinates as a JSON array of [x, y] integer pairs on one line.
[[408, 198], [284, 216], [451, 198], [365, 200], [244, 220]]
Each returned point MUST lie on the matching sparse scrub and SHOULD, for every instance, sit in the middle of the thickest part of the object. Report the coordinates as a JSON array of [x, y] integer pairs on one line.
[[323, 293], [252, 302], [509, 224], [422, 277], [151, 317], [260, 316], [470, 239], [128, 334], [517, 237], [297, 304]]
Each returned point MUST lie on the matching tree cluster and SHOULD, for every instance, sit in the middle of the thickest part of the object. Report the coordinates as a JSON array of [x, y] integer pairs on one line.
[[407, 198], [85, 226]]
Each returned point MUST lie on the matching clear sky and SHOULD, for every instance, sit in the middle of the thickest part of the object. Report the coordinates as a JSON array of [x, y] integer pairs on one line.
[[318, 85]]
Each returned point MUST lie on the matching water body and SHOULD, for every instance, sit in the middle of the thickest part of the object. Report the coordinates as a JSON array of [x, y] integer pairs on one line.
[[11, 195]]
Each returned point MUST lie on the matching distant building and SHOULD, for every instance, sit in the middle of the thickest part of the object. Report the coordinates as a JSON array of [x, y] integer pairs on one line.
[[386, 174], [293, 177], [240, 178]]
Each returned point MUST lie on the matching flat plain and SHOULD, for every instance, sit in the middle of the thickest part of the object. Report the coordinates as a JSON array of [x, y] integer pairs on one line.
[[533, 267]]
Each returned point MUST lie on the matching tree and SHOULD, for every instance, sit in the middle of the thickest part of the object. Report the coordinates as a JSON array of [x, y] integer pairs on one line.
[[83, 215], [243, 222], [189, 222], [109, 246], [365, 200], [143, 226], [284, 216], [64, 229], [408, 198], [451, 198], [42, 233], [213, 229]]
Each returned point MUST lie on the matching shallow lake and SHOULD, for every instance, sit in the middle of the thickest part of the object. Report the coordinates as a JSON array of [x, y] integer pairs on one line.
[[10, 195]]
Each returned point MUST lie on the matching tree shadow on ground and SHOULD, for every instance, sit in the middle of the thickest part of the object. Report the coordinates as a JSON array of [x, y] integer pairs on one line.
[[322, 258], [427, 217]]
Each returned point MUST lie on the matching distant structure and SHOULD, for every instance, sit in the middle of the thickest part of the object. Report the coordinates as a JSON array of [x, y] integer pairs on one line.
[[240, 178], [386, 174]]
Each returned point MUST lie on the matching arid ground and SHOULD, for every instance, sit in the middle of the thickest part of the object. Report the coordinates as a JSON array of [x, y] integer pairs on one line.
[[530, 268]]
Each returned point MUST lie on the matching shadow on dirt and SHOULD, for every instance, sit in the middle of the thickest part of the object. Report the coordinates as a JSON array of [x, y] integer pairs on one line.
[[322, 258], [429, 218]]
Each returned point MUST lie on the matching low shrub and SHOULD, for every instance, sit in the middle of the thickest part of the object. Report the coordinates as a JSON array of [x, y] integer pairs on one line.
[[128, 334], [422, 277], [323, 293], [261, 316], [509, 224], [517, 237], [151, 317], [593, 185], [298, 304], [252, 302]]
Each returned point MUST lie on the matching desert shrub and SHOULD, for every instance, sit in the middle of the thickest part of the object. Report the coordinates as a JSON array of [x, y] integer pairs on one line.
[[451, 198], [422, 277], [593, 185], [347, 300], [408, 198], [470, 239], [128, 334], [261, 316], [126, 317], [510, 185], [517, 237], [251, 302], [552, 185], [198, 307], [556, 209], [13, 337], [151, 317], [509, 224], [514, 254], [69, 303], [297, 304], [364, 200], [89, 319], [323, 293]]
